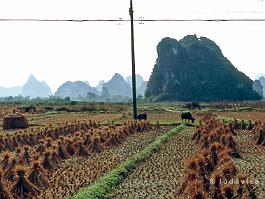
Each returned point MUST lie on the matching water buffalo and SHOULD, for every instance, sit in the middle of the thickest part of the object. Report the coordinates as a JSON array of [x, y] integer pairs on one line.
[[142, 116], [192, 105], [28, 109], [48, 108], [187, 116]]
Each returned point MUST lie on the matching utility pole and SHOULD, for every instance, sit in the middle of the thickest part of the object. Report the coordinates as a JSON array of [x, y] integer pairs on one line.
[[133, 63]]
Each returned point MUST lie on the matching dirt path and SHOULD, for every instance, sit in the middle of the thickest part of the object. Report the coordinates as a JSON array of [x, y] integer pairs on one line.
[[75, 173], [253, 160], [160, 175]]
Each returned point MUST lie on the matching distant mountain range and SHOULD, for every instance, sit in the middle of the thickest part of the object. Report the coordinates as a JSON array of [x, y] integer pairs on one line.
[[116, 86], [32, 88], [35, 88], [139, 80], [260, 75], [100, 85], [75, 90], [261, 79], [257, 86], [10, 91], [141, 90], [140, 83]]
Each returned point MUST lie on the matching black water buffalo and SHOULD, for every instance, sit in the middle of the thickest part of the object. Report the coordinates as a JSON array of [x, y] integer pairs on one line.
[[192, 105], [142, 116], [28, 109], [48, 108], [187, 116]]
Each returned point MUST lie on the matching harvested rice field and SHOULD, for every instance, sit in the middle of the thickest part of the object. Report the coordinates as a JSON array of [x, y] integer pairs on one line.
[[159, 176], [107, 155]]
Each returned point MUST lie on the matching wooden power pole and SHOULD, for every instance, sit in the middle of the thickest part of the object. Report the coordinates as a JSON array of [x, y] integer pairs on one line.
[[133, 63]]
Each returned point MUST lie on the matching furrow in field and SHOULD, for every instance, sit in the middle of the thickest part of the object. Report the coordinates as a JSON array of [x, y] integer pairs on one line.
[[252, 161], [160, 175]]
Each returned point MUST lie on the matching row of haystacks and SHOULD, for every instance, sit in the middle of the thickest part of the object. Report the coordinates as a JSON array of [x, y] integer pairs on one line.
[[211, 172], [24, 173]]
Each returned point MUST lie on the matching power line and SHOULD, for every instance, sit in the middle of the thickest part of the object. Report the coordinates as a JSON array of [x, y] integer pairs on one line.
[[127, 20]]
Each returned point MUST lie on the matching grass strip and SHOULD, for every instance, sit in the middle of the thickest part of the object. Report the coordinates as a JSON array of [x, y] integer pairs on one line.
[[106, 183]]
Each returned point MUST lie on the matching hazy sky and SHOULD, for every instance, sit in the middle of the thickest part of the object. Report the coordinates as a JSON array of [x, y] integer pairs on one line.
[[92, 51]]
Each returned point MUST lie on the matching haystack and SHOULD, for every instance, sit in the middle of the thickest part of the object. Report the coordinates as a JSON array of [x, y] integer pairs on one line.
[[15, 120]]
